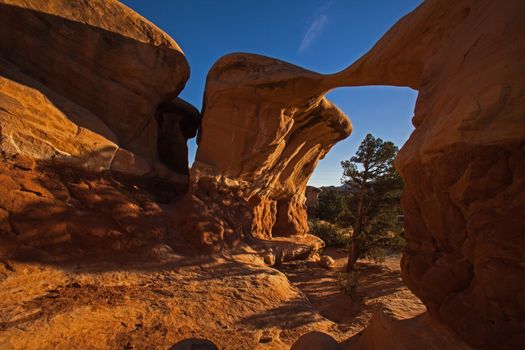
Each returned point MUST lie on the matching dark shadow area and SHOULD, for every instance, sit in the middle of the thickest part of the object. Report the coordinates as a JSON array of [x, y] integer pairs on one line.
[[323, 290], [69, 217], [194, 344], [177, 122], [418, 332], [293, 314], [324, 287]]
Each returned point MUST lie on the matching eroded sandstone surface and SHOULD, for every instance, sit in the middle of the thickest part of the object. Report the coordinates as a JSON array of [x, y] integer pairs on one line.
[[149, 303], [93, 85], [464, 164], [84, 69], [93, 146], [265, 125]]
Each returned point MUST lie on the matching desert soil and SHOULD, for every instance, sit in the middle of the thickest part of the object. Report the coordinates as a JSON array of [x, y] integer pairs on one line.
[[234, 300], [379, 285]]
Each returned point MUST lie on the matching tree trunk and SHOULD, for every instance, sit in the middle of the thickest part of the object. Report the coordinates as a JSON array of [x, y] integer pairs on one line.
[[353, 254]]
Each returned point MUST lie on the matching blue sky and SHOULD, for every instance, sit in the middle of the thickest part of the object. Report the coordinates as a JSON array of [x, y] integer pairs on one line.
[[320, 35]]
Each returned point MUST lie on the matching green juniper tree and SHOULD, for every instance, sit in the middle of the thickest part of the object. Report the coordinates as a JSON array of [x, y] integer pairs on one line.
[[375, 189], [330, 205]]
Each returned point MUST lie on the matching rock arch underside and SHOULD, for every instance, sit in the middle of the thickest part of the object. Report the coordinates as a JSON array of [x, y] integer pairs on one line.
[[89, 116]]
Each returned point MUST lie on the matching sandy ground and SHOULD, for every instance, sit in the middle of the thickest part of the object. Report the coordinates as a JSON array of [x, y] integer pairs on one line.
[[235, 301], [379, 285], [94, 261]]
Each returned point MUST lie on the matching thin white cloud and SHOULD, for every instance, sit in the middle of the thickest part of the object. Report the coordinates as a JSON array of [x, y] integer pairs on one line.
[[325, 7], [313, 32]]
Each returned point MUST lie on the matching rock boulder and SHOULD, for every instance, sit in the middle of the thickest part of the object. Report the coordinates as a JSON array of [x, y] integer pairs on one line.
[[94, 67], [265, 125]]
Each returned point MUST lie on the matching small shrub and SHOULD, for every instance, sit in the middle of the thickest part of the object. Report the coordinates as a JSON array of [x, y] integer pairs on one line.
[[376, 254], [332, 235], [349, 283], [377, 246]]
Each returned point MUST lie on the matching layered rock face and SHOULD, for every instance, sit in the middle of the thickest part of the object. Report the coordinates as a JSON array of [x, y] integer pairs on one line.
[[58, 215], [464, 165], [73, 69], [82, 82], [265, 125], [80, 127]]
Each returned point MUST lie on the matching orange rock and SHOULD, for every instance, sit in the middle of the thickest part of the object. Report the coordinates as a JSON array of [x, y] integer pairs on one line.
[[85, 83], [265, 125], [65, 213], [316, 341], [395, 328], [464, 165], [96, 71], [37, 122]]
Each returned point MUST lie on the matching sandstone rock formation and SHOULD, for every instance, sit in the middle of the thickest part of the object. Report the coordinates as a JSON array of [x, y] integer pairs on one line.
[[464, 165], [86, 80], [393, 329], [31, 125], [80, 88], [316, 341], [82, 82], [178, 121], [326, 261], [61, 214], [142, 302], [265, 125]]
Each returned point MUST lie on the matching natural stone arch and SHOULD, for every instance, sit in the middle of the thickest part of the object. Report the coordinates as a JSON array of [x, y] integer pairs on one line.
[[463, 165]]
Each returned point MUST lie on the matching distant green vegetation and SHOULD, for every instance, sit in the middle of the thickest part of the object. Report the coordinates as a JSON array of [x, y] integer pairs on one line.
[[333, 235], [364, 214]]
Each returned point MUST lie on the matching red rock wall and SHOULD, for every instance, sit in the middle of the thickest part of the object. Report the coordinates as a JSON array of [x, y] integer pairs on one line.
[[265, 126], [464, 164], [101, 56], [291, 217], [60, 214]]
